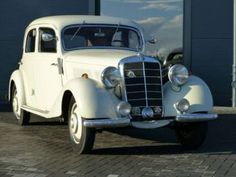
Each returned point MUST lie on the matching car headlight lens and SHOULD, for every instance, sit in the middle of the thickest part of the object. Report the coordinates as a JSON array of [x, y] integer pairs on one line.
[[124, 108], [178, 74], [111, 77]]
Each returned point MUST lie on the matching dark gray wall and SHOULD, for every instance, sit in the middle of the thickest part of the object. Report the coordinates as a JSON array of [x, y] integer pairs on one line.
[[15, 16], [209, 45]]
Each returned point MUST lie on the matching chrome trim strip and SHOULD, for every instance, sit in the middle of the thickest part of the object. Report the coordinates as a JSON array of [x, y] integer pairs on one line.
[[143, 92], [141, 69], [140, 84], [122, 83], [149, 106], [145, 99], [140, 77], [106, 123], [145, 81], [195, 117]]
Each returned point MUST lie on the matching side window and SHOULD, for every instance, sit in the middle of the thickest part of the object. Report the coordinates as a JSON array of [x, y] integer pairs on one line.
[[30, 41], [47, 40]]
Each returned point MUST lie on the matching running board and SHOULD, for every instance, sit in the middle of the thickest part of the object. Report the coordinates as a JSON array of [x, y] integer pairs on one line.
[[36, 111]]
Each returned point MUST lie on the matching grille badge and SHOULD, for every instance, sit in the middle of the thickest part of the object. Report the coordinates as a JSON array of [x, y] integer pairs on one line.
[[130, 74]]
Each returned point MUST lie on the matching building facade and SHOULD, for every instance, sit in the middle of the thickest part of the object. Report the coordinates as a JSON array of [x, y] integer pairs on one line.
[[208, 45], [14, 18]]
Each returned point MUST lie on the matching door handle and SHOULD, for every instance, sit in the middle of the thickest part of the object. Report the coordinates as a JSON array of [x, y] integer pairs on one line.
[[59, 64], [54, 64]]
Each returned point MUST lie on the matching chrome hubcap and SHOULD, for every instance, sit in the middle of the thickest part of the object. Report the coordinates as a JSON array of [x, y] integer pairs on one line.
[[15, 105], [75, 124]]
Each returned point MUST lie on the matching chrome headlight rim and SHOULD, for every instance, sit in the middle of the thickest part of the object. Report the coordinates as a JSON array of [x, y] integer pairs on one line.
[[110, 77], [178, 75]]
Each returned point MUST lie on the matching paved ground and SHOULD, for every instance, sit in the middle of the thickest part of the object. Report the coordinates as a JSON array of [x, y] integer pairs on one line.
[[42, 149]]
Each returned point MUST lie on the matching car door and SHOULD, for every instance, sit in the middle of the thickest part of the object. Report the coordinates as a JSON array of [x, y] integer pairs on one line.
[[27, 64], [48, 76]]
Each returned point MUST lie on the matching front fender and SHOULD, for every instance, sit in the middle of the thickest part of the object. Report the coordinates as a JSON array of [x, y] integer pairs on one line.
[[195, 91], [93, 100], [17, 78]]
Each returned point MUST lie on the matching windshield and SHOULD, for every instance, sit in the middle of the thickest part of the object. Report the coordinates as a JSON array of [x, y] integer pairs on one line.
[[101, 37]]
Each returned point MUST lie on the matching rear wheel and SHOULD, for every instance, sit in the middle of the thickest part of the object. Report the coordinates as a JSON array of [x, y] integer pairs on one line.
[[22, 116], [82, 138], [191, 135]]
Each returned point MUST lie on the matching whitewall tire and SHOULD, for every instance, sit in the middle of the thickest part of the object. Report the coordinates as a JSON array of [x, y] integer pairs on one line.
[[22, 116], [82, 138]]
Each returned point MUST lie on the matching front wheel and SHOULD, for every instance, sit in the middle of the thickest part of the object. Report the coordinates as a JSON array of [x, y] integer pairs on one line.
[[22, 116], [82, 138], [191, 135]]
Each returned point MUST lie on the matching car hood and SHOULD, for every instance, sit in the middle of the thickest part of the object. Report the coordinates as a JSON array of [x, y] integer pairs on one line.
[[102, 57], [92, 62]]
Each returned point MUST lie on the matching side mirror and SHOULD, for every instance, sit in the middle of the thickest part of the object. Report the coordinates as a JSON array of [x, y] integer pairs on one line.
[[166, 63], [152, 41], [47, 37], [172, 59]]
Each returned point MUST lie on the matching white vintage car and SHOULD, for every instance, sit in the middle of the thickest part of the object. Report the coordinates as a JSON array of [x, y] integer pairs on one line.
[[90, 71]]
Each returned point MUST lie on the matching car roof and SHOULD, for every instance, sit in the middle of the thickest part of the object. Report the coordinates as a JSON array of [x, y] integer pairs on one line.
[[65, 20]]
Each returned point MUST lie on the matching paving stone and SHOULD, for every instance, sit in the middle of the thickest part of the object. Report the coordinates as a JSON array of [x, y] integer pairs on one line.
[[42, 149], [112, 175], [70, 172]]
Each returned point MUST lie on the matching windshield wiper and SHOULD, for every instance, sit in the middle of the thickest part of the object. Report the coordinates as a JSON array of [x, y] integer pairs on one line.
[[77, 31]]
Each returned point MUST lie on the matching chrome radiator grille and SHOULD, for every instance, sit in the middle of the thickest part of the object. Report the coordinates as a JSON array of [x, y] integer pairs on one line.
[[143, 87]]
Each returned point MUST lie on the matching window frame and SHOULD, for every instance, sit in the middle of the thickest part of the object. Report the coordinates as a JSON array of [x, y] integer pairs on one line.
[[39, 40], [26, 41], [140, 35]]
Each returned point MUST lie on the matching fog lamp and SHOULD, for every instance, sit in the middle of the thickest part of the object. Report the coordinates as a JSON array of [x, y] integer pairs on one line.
[[123, 108], [183, 105]]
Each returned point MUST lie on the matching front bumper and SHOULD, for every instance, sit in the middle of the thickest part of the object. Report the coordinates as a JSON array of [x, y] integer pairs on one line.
[[107, 123], [124, 122], [195, 117]]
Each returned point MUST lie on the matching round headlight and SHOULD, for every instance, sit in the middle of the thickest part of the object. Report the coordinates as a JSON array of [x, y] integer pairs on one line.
[[111, 77], [178, 74], [124, 108]]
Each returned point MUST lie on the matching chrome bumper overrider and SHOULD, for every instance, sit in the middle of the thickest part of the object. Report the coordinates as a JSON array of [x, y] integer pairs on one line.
[[106, 123], [196, 117]]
